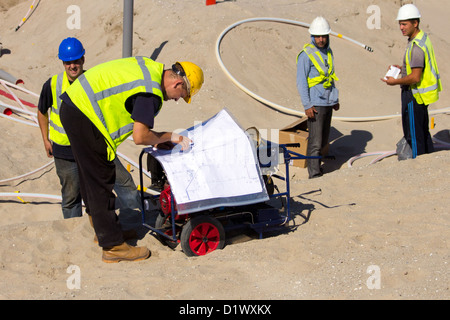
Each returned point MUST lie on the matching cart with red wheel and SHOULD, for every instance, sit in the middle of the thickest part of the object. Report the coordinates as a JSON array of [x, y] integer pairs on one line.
[[203, 232]]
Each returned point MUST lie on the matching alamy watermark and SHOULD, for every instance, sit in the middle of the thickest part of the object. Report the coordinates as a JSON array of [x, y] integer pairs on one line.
[[374, 20], [264, 144], [374, 280], [74, 280], [74, 20]]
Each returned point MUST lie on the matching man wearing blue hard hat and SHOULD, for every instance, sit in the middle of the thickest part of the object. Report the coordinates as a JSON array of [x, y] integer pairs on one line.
[[71, 53]]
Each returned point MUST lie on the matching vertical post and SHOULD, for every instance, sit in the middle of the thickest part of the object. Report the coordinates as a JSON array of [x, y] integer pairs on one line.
[[127, 44]]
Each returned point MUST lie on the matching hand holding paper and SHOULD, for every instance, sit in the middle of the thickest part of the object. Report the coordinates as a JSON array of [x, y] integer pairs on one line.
[[392, 72]]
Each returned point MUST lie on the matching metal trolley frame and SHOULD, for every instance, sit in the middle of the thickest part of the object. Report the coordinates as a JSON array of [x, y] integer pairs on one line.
[[203, 232]]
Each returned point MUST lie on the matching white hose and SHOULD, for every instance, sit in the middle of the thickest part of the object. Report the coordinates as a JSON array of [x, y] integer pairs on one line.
[[4, 108], [33, 195], [7, 86], [27, 174], [19, 110], [19, 120], [384, 154], [29, 13], [381, 154], [7, 83], [46, 165], [32, 123], [126, 158], [289, 110]]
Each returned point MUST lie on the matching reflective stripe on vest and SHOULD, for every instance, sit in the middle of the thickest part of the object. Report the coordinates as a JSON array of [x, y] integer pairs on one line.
[[326, 72], [426, 91], [101, 93], [59, 83]]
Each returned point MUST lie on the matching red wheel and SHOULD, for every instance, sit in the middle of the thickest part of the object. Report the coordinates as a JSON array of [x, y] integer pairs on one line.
[[202, 235]]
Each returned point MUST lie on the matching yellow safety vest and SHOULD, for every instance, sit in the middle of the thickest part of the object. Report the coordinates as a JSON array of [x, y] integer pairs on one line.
[[101, 92], [426, 91], [326, 73], [59, 84]]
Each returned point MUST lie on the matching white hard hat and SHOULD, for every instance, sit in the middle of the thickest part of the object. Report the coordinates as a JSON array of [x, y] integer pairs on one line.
[[319, 27], [407, 12]]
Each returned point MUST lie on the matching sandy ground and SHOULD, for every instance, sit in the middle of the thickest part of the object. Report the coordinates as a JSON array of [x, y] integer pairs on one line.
[[370, 231]]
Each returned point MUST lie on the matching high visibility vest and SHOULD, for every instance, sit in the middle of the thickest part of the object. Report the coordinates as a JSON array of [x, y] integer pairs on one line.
[[426, 91], [58, 84], [101, 92], [326, 72]]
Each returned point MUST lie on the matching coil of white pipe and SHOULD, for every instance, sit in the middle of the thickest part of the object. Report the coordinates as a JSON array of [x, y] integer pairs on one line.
[[283, 108]]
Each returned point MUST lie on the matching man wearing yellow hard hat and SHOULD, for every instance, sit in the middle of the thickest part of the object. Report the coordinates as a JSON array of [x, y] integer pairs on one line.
[[101, 109]]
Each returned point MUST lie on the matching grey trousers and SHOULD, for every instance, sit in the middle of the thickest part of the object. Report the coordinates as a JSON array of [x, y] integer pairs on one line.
[[319, 131]]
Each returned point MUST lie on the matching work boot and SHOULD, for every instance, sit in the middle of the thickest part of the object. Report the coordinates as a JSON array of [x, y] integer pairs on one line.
[[124, 252]]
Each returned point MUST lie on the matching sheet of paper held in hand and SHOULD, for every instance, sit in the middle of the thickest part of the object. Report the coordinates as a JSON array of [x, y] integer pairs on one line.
[[220, 168], [392, 72]]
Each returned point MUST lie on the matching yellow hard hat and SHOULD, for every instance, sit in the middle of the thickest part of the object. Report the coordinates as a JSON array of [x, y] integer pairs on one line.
[[194, 76]]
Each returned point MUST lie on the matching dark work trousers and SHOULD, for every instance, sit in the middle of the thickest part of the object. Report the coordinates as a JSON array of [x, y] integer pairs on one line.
[[415, 122], [97, 174], [155, 168], [319, 132]]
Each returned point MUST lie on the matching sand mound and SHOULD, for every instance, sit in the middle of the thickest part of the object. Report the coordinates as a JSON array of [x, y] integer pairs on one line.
[[391, 215]]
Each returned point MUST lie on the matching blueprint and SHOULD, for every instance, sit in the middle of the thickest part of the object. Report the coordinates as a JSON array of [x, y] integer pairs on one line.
[[220, 168]]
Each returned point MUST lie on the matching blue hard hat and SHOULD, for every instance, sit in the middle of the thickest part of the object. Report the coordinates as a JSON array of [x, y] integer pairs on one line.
[[70, 49]]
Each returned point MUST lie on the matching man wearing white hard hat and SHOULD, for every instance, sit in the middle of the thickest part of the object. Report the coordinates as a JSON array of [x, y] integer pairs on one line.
[[319, 96], [420, 81]]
